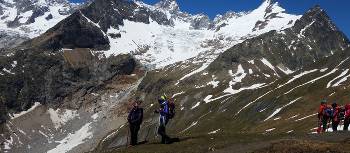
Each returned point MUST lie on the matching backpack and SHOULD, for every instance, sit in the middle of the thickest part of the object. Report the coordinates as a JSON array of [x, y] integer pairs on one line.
[[171, 113], [328, 112]]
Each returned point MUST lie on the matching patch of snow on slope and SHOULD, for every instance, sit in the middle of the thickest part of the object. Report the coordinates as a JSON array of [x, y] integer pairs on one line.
[[269, 130], [324, 70], [73, 140], [196, 105], [252, 87], [95, 116], [336, 78], [268, 64], [285, 70], [312, 81], [203, 67], [341, 81], [215, 131], [7, 71], [298, 76], [246, 106], [213, 82], [209, 99], [294, 116], [60, 117], [342, 62], [279, 109], [237, 77], [192, 125], [14, 64], [277, 118], [251, 62], [303, 118], [8, 144], [95, 24], [176, 94], [302, 31], [36, 104]]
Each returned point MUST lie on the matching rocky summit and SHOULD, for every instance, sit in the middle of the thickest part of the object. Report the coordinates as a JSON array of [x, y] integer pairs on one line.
[[242, 82]]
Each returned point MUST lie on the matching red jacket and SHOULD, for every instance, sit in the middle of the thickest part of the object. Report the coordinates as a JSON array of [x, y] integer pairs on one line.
[[336, 113], [321, 110], [347, 111]]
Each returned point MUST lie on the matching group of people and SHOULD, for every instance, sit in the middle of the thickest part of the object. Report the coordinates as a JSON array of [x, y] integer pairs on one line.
[[327, 115], [333, 115], [166, 112]]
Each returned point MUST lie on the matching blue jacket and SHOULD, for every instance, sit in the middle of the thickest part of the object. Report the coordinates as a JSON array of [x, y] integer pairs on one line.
[[163, 119]]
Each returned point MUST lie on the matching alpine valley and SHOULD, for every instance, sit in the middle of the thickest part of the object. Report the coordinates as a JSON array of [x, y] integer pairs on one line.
[[242, 82]]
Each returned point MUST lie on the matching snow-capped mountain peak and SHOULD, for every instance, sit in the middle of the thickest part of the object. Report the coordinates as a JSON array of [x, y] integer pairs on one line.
[[170, 5], [170, 35], [30, 18]]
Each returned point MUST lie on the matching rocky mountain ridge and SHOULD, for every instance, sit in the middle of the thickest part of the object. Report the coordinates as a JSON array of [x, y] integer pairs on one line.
[[26, 19]]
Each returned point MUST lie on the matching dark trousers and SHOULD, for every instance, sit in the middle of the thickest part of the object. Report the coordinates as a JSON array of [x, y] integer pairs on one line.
[[335, 125], [134, 129], [346, 123], [162, 132], [325, 120]]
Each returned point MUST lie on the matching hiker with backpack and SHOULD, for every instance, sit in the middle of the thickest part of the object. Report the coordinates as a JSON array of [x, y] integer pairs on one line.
[[322, 121], [166, 112], [135, 118], [327, 117], [346, 117], [336, 116]]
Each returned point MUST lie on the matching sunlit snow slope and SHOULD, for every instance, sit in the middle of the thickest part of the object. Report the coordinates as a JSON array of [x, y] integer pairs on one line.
[[160, 45], [29, 18]]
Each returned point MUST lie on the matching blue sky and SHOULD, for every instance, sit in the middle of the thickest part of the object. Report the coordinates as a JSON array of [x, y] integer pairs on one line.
[[338, 10]]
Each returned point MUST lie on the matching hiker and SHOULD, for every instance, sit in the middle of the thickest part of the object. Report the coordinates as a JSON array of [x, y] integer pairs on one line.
[[347, 117], [336, 116], [327, 117], [135, 120], [165, 114], [321, 119]]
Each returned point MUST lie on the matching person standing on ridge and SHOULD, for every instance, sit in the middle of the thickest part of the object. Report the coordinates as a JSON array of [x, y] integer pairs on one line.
[[135, 118], [165, 113], [347, 117], [336, 117], [321, 126]]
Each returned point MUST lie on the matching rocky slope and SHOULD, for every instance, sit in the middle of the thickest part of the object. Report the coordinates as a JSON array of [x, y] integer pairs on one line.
[[241, 74], [258, 86]]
